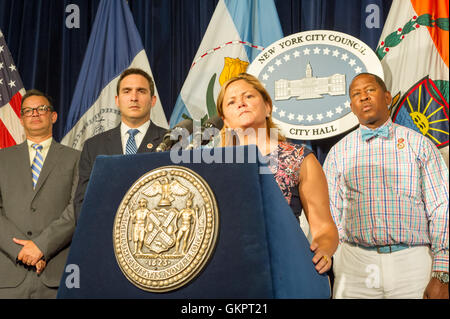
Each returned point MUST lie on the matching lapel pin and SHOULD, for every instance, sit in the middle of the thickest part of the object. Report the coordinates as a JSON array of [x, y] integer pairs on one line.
[[149, 146]]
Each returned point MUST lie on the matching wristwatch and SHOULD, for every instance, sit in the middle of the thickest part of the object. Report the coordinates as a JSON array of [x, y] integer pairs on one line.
[[441, 276]]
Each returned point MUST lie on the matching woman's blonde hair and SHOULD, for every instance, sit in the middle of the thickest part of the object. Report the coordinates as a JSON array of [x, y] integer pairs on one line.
[[257, 85]]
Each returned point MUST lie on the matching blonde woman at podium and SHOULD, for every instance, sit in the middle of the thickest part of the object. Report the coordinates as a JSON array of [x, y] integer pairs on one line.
[[246, 109]]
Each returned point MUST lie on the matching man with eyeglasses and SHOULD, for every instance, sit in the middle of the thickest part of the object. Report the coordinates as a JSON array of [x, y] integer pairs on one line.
[[38, 179]]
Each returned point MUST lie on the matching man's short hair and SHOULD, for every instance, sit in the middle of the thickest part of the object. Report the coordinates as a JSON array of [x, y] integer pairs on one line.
[[376, 77], [35, 92], [130, 71]]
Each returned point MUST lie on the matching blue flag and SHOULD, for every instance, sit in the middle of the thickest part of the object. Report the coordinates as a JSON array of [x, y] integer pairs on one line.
[[237, 33], [114, 46]]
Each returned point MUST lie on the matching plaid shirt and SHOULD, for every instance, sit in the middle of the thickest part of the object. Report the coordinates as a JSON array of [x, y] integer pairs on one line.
[[387, 191]]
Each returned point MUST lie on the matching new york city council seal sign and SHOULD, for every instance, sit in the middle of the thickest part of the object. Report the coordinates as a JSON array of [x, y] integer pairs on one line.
[[308, 75], [165, 229]]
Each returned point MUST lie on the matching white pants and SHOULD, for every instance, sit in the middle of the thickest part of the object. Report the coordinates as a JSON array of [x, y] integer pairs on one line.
[[362, 273]]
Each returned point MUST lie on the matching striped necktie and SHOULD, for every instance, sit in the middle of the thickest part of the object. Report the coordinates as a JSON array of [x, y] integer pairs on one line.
[[37, 164], [131, 147]]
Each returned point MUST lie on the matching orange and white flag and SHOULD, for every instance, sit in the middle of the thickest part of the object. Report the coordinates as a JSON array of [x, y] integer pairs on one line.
[[414, 52]]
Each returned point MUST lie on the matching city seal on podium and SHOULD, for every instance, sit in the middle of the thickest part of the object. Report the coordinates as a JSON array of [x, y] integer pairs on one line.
[[165, 229], [308, 75]]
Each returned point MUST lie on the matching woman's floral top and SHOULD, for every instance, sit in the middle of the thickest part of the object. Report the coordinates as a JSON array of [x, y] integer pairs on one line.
[[285, 165]]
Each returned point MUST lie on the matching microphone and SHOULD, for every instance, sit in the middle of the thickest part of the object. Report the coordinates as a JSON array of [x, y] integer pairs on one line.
[[215, 121], [204, 134], [175, 134], [212, 124]]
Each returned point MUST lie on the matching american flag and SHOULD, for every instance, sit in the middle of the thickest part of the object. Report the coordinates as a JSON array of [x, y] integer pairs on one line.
[[11, 92]]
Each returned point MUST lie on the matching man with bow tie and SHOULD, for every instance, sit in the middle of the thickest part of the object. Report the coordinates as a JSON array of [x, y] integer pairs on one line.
[[388, 190]]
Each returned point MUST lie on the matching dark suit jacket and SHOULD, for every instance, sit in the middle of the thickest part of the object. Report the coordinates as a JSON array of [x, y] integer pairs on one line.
[[44, 215], [109, 143]]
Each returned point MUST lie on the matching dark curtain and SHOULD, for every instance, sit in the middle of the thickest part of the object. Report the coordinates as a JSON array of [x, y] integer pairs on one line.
[[49, 55]]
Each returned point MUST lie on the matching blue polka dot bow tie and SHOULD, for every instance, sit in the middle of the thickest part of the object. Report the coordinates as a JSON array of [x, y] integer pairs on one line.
[[367, 134]]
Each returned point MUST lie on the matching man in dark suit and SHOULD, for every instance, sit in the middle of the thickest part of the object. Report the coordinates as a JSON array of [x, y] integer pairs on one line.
[[135, 134], [38, 179]]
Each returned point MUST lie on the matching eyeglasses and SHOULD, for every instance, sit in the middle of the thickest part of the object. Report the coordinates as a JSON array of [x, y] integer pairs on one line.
[[41, 110]]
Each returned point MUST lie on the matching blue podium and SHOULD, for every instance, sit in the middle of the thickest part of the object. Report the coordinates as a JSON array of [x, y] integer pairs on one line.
[[260, 252]]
